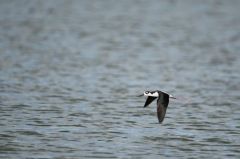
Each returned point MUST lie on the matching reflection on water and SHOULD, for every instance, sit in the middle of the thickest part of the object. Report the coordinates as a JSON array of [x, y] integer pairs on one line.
[[70, 71]]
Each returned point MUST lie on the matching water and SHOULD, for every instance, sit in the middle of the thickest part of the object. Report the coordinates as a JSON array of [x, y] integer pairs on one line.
[[70, 71]]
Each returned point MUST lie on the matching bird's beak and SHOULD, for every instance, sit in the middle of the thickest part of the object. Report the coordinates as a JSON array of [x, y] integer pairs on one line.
[[171, 96], [140, 95]]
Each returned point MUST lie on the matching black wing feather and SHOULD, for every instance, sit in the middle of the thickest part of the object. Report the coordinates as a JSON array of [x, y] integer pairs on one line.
[[149, 100], [162, 107], [161, 111]]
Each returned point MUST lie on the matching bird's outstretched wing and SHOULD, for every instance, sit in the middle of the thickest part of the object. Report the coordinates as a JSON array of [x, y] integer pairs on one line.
[[162, 107], [149, 100], [161, 111]]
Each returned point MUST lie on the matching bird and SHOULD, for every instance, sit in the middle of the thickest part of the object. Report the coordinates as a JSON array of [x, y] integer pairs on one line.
[[162, 102]]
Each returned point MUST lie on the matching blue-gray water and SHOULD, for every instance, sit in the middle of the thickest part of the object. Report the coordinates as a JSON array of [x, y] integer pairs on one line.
[[70, 71]]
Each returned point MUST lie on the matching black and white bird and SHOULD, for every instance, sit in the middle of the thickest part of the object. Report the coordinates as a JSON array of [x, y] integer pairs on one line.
[[162, 102]]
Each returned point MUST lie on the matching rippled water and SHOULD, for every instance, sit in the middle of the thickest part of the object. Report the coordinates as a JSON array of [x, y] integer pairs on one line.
[[70, 71]]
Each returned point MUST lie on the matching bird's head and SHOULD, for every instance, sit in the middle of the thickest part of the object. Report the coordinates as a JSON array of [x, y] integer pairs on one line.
[[151, 93], [155, 94]]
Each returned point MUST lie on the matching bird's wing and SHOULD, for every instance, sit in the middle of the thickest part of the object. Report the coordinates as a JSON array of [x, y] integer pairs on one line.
[[161, 111], [149, 100], [162, 107]]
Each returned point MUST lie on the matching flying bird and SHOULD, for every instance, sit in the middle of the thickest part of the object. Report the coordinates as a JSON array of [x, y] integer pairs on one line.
[[162, 102]]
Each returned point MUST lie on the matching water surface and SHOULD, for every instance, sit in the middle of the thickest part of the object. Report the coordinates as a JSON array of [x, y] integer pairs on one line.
[[70, 71]]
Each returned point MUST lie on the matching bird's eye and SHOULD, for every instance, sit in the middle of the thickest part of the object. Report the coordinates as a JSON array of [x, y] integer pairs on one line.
[[146, 92]]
